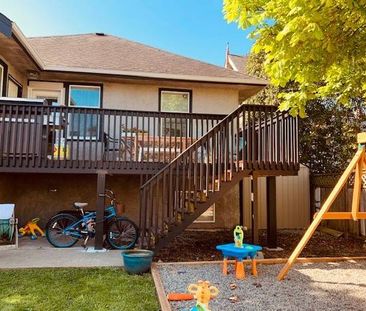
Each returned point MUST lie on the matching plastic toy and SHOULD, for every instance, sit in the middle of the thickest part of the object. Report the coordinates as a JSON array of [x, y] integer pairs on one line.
[[30, 228], [238, 236], [179, 296], [239, 253], [203, 292]]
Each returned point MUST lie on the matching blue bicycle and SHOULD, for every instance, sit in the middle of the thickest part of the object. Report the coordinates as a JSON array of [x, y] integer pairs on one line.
[[67, 227]]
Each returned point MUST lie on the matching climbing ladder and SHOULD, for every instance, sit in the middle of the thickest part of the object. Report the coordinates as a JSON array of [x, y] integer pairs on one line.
[[251, 139]]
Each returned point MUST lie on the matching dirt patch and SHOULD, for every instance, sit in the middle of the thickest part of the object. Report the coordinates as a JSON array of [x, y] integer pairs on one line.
[[198, 245]]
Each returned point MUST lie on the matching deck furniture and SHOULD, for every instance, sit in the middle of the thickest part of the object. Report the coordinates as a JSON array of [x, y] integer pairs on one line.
[[239, 253], [160, 148]]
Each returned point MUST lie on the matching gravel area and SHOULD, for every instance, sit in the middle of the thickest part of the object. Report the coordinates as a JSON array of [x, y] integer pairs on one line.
[[313, 286]]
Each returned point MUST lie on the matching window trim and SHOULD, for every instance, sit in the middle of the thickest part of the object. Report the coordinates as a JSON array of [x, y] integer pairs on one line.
[[170, 90], [4, 86], [67, 101], [20, 86], [85, 86]]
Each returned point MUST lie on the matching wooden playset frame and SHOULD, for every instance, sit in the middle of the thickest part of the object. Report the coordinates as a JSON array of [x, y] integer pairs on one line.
[[358, 166]]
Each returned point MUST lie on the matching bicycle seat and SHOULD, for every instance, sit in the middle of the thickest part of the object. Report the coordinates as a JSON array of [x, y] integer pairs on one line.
[[80, 205]]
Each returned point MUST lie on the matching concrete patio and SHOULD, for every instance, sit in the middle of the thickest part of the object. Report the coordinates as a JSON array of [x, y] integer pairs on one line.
[[40, 254]]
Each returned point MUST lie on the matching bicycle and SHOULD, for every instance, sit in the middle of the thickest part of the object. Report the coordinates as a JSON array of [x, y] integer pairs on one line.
[[67, 227]]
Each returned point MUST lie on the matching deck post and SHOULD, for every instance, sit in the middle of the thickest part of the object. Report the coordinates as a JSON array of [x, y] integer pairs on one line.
[[101, 177], [271, 212], [241, 202], [254, 203]]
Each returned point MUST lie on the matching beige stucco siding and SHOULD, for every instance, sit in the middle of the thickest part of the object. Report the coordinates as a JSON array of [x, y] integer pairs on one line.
[[20, 78], [146, 98]]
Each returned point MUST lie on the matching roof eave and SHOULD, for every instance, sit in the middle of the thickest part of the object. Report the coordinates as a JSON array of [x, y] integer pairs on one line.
[[18, 34], [153, 75]]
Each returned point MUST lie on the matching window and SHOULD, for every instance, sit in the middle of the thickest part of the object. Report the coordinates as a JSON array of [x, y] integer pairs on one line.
[[178, 101], [14, 88], [208, 216], [3, 78], [82, 124]]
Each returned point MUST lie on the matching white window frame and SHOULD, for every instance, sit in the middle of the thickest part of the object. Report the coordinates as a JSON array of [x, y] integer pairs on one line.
[[167, 91], [68, 104], [178, 93], [197, 221], [85, 87], [2, 78]]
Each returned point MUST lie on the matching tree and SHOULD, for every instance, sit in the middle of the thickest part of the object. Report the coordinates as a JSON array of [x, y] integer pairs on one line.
[[318, 46], [327, 137]]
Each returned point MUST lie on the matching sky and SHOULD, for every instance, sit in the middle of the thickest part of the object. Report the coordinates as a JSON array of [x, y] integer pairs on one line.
[[193, 28]]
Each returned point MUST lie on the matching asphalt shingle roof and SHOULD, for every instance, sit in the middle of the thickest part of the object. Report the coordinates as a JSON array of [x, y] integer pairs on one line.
[[106, 52]]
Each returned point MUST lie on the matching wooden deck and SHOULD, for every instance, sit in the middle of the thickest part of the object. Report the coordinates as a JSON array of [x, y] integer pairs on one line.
[[47, 139]]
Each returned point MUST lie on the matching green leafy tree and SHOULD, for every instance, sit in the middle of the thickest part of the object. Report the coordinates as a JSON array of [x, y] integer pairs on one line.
[[317, 46], [327, 137]]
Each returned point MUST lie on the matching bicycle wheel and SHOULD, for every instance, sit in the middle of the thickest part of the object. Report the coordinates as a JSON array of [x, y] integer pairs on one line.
[[122, 233], [55, 231]]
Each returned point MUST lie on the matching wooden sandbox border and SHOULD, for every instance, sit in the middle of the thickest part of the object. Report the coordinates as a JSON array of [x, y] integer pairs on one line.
[[165, 304]]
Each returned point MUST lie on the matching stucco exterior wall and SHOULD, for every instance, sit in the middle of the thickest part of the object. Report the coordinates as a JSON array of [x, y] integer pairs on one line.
[[21, 78], [43, 195], [146, 97]]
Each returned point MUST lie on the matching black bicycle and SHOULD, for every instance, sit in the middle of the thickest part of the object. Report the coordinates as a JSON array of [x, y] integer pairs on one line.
[[67, 227]]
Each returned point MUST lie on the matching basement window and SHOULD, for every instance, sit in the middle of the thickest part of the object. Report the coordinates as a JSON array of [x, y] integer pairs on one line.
[[208, 216]]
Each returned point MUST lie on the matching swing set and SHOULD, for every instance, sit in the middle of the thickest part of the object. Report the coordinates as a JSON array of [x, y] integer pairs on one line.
[[358, 166]]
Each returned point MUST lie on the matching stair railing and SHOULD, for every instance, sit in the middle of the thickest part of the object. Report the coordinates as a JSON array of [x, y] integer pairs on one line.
[[253, 137]]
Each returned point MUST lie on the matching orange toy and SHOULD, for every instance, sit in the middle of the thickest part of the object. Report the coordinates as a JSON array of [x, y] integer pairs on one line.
[[179, 296], [30, 228]]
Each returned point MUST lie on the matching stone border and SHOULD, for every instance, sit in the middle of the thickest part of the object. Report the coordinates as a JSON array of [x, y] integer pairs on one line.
[[162, 296]]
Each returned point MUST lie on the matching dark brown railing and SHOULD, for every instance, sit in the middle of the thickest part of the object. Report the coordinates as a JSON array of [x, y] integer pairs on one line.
[[48, 138], [251, 138]]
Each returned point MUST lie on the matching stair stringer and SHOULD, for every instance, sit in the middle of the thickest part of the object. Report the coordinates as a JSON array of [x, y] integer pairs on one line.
[[201, 208]]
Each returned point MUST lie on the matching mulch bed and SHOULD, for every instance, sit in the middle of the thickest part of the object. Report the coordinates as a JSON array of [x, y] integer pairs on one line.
[[199, 245]]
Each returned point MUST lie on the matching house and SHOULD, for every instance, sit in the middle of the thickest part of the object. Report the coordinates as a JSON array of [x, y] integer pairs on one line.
[[83, 112]]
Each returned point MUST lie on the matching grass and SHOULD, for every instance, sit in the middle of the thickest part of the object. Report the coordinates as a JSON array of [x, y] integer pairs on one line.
[[76, 289]]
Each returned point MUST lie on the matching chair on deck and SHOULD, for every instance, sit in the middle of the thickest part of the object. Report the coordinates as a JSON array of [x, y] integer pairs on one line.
[[121, 149]]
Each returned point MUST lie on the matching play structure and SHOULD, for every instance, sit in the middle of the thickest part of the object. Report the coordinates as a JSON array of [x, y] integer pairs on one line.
[[203, 292], [8, 225], [31, 228], [356, 166]]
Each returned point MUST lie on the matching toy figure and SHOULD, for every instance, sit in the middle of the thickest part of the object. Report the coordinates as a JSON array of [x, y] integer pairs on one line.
[[203, 292], [30, 228], [238, 236]]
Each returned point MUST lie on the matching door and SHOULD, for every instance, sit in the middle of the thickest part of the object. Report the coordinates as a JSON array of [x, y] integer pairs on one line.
[[54, 122]]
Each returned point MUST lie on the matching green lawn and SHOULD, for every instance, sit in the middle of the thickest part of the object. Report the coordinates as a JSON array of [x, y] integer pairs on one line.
[[76, 289]]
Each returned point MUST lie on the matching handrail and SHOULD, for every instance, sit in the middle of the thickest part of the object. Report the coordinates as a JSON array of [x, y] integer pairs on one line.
[[88, 138], [252, 137]]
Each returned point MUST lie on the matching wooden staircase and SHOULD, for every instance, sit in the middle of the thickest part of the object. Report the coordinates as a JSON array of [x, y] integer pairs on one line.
[[251, 138]]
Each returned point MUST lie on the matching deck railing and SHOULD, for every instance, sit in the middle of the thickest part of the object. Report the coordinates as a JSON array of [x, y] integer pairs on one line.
[[39, 137], [251, 138]]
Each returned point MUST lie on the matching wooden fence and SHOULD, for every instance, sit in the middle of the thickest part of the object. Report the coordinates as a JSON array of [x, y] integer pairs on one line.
[[321, 186]]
